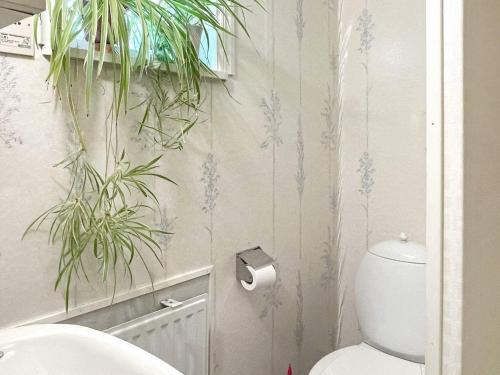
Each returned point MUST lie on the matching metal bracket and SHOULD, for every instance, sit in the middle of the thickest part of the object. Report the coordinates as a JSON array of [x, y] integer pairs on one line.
[[255, 258], [171, 303]]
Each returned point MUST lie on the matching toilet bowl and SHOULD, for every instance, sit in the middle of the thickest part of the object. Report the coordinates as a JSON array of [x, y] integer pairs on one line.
[[364, 360], [390, 305]]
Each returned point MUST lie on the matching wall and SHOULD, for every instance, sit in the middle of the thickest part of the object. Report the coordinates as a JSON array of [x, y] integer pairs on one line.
[[481, 140], [471, 304], [248, 176], [383, 163], [276, 167]]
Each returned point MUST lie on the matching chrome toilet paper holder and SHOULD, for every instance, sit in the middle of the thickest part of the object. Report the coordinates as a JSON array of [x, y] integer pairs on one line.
[[255, 258]]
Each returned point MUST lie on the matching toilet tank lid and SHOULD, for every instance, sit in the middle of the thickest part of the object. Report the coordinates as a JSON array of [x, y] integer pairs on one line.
[[401, 250]]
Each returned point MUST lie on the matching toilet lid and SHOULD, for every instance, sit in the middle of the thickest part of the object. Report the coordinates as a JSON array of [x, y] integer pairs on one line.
[[365, 360]]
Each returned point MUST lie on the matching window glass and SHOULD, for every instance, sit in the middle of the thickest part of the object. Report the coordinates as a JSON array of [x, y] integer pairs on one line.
[[208, 42]]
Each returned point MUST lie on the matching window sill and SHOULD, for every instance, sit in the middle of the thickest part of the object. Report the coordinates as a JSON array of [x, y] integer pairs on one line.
[[81, 54]]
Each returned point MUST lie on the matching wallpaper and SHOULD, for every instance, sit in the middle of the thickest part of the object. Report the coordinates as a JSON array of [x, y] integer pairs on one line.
[[318, 154], [383, 141]]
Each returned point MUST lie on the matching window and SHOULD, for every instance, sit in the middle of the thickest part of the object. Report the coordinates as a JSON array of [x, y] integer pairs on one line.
[[209, 51]]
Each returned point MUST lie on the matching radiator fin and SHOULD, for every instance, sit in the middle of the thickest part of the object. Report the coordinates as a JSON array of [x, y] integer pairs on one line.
[[179, 336]]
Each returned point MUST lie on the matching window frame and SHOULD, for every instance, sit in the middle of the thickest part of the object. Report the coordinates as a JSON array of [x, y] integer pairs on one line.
[[225, 61]]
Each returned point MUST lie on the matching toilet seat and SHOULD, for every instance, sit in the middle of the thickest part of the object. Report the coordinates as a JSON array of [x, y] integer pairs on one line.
[[364, 360]]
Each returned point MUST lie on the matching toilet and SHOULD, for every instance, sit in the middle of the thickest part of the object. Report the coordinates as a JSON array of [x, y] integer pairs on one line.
[[390, 305]]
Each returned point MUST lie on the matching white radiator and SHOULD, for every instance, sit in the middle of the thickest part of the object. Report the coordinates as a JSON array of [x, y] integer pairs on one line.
[[179, 335]]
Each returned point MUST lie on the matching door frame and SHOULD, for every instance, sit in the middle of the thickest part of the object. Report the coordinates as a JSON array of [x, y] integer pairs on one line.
[[434, 186], [445, 184]]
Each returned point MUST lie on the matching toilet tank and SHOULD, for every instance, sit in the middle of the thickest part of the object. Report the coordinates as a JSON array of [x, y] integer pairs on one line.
[[390, 298]]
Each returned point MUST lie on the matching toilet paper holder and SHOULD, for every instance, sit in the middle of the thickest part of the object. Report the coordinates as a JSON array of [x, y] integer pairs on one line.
[[255, 258]]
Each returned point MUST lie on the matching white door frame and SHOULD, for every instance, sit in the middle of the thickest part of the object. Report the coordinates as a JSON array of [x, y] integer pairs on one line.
[[444, 214], [434, 205]]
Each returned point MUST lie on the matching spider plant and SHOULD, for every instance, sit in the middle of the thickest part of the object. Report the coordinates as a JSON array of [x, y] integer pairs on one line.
[[103, 219], [168, 22], [168, 115]]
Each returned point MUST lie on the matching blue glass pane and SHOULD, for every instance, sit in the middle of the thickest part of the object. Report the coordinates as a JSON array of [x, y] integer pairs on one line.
[[208, 48], [135, 32]]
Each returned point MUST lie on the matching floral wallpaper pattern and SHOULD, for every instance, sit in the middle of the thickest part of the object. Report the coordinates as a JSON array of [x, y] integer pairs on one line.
[[166, 223], [272, 302], [300, 178], [366, 170], [9, 103], [210, 178], [382, 157], [333, 254], [272, 112]]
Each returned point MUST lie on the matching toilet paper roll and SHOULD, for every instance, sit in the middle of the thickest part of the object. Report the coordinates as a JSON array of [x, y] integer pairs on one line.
[[261, 277]]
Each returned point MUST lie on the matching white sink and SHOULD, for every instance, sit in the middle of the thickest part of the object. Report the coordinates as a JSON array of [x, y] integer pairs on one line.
[[60, 349]]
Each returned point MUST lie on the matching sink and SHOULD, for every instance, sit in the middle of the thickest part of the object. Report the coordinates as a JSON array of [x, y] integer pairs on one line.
[[62, 349]]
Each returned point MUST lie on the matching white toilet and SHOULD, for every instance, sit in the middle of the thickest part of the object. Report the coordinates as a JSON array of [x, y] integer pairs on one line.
[[390, 303]]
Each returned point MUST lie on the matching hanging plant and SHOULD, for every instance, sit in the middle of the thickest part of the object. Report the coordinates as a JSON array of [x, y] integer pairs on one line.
[[103, 215]]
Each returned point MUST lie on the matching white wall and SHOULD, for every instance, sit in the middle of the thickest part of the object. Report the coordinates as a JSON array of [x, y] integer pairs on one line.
[[383, 166], [235, 191]]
